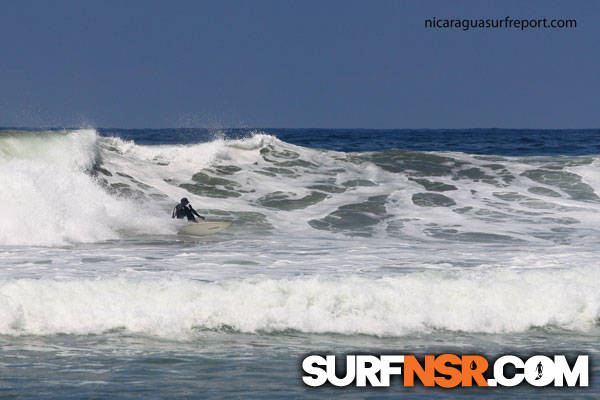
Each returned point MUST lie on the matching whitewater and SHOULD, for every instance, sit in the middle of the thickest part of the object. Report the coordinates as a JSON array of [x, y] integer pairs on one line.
[[330, 246]]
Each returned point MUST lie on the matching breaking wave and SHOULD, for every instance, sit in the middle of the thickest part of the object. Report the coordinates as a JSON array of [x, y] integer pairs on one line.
[[61, 187], [50, 197], [490, 302]]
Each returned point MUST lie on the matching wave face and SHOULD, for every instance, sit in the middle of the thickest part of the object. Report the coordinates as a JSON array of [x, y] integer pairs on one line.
[[491, 302], [75, 186]]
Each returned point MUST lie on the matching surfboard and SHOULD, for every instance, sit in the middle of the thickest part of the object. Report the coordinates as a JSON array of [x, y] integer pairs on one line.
[[204, 228]]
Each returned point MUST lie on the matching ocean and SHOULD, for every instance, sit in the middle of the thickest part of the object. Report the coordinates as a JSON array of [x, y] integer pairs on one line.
[[479, 241]]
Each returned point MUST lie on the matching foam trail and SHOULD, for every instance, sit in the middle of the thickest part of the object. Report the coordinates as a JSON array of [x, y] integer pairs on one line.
[[493, 301]]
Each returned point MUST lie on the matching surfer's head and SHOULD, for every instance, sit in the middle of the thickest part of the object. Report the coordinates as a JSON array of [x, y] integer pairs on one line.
[[185, 201]]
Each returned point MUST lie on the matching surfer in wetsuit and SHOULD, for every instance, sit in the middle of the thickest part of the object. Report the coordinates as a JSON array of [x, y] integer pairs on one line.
[[185, 209]]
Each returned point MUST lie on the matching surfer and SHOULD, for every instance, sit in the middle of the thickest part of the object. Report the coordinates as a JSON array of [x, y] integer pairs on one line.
[[185, 209]]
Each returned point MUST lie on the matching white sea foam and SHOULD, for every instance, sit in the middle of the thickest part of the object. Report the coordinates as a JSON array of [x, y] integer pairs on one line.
[[492, 302], [48, 196]]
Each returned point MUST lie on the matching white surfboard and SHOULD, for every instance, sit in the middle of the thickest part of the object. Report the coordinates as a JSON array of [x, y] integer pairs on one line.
[[204, 228]]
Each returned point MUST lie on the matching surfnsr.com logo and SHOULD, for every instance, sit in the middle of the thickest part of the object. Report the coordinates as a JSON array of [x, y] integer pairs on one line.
[[446, 370]]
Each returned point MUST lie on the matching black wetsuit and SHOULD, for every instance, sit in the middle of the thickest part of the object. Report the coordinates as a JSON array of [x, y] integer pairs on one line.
[[180, 211]]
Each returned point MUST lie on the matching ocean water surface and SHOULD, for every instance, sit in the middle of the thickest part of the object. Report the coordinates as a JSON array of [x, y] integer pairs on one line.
[[343, 241]]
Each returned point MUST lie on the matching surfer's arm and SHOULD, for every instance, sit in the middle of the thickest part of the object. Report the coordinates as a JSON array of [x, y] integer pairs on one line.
[[173, 214], [195, 212]]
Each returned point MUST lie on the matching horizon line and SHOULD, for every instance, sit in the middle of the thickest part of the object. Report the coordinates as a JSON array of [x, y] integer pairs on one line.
[[285, 128]]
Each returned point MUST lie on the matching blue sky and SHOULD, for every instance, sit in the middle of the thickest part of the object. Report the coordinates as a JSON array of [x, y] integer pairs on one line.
[[329, 64]]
